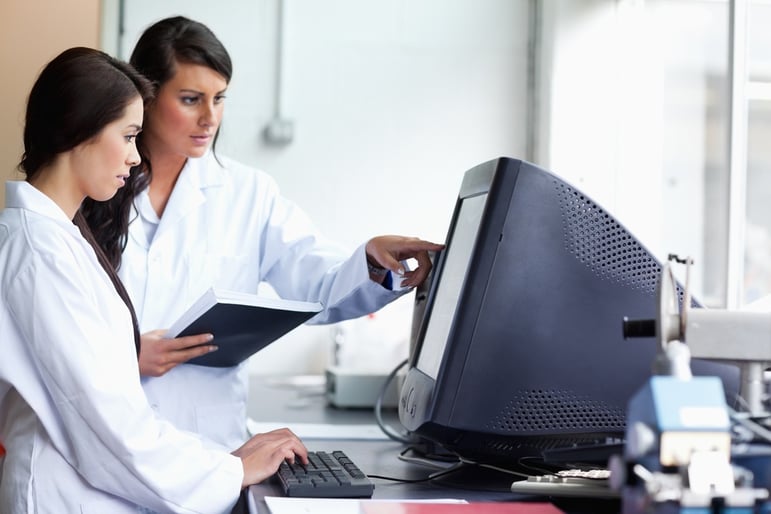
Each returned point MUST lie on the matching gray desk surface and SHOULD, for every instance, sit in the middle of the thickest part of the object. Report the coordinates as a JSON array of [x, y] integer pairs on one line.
[[285, 401]]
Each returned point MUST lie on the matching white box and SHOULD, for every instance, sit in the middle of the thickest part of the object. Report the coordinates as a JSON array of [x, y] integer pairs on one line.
[[355, 388]]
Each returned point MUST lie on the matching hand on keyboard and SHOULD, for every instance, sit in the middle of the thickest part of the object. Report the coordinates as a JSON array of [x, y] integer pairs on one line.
[[327, 475]]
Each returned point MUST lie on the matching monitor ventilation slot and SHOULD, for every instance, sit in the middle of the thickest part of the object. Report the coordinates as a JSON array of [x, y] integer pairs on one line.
[[602, 244], [543, 411]]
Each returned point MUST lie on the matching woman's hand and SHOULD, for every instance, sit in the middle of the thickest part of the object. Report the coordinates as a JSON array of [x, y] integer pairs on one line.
[[158, 355], [263, 454], [387, 252]]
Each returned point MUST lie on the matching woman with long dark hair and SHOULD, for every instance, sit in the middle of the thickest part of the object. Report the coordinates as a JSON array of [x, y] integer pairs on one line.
[[79, 433], [199, 220]]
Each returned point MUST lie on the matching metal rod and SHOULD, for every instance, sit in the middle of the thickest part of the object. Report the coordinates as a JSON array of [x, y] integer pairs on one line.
[[737, 151]]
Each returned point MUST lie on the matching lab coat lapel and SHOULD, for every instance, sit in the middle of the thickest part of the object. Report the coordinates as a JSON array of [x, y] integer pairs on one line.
[[185, 197], [136, 229]]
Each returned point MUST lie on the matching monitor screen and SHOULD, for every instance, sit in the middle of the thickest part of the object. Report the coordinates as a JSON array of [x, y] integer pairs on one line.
[[520, 346], [448, 290]]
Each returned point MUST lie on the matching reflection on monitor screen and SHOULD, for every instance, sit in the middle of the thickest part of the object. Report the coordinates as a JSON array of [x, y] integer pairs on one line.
[[520, 348]]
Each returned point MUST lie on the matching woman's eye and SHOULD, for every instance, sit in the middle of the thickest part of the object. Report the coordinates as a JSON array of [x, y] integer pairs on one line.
[[219, 99], [189, 100], [131, 138]]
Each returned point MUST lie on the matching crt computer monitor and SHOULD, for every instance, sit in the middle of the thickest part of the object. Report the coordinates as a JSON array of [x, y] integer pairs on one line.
[[520, 347]]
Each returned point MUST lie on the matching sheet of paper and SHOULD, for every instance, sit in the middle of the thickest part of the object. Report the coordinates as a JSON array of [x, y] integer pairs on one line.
[[321, 430], [286, 505]]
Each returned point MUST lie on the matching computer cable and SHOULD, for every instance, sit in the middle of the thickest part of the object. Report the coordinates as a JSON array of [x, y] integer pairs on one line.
[[495, 468], [435, 461], [446, 471], [500, 468], [387, 430], [414, 442], [461, 466]]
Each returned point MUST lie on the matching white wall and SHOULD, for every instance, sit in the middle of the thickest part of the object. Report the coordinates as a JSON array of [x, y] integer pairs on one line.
[[24, 53], [391, 102], [631, 112], [601, 108]]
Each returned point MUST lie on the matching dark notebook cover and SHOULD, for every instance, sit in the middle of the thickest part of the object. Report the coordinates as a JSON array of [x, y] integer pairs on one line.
[[242, 324]]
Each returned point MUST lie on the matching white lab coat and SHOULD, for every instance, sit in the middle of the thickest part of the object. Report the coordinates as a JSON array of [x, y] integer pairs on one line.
[[227, 226], [78, 430]]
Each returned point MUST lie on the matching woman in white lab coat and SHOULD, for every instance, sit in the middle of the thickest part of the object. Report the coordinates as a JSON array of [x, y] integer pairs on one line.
[[206, 220], [79, 433]]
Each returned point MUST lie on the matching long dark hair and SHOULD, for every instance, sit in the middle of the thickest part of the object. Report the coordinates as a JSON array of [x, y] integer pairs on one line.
[[75, 96], [160, 47]]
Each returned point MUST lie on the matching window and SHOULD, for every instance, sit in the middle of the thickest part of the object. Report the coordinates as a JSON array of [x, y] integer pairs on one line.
[[634, 106]]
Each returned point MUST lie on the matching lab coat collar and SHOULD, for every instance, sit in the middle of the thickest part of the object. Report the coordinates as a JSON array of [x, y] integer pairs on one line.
[[23, 195], [205, 171], [187, 195]]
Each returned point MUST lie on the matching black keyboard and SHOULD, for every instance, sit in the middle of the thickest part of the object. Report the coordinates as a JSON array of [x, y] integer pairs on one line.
[[327, 475]]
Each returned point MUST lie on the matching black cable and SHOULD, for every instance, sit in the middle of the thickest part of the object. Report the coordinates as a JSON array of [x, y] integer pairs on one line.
[[432, 476], [460, 467], [433, 460], [387, 430]]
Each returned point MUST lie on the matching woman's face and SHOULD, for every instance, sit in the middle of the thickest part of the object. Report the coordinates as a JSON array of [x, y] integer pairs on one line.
[[186, 112], [102, 164]]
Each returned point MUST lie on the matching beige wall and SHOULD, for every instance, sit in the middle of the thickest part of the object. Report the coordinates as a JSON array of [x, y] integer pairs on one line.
[[32, 32]]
